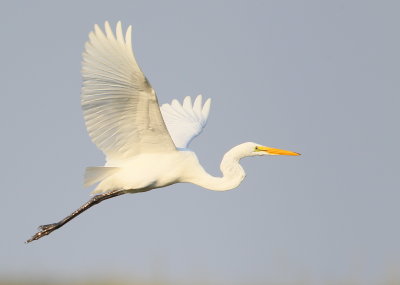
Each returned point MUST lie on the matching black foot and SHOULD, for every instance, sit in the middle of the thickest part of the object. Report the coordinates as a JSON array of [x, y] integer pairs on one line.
[[44, 230]]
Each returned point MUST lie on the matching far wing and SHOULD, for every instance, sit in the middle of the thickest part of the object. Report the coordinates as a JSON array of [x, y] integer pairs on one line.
[[120, 107], [185, 121]]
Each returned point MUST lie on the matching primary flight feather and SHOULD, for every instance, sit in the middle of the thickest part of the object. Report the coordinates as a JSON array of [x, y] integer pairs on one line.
[[146, 147], [119, 105]]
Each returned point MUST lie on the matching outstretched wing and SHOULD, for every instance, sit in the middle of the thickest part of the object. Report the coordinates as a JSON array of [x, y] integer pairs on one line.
[[185, 122], [120, 107]]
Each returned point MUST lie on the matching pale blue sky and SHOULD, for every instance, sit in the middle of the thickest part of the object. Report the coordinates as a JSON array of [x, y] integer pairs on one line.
[[317, 77]]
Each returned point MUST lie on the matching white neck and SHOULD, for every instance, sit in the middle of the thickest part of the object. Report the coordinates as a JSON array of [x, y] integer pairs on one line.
[[232, 171]]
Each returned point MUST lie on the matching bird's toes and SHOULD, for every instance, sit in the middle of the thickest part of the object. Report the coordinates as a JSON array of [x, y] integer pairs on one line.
[[46, 227]]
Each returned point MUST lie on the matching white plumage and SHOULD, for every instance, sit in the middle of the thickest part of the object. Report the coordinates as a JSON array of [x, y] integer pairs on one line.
[[146, 147]]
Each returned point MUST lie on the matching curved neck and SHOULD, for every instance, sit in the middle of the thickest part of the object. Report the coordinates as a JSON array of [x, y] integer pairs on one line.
[[232, 174]]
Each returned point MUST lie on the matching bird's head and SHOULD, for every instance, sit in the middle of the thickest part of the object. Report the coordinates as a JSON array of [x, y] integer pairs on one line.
[[254, 149]]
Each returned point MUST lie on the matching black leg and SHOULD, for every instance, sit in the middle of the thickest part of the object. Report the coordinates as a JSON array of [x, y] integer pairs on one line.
[[47, 229]]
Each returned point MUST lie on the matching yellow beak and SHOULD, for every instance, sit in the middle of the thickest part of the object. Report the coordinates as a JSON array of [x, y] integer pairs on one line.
[[276, 151]]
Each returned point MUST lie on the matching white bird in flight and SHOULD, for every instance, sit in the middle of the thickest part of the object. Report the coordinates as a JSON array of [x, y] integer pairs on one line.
[[146, 147]]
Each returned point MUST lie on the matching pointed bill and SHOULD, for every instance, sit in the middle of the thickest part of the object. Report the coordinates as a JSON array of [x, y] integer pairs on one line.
[[276, 151]]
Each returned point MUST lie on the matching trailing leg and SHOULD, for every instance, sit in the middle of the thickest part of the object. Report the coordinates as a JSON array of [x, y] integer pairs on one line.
[[44, 230]]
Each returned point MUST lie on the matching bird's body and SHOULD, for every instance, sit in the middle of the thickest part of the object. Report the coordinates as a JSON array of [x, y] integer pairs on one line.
[[140, 173], [146, 146]]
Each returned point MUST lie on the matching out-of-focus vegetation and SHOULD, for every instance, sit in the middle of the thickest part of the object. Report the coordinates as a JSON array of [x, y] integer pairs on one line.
[[121, 282], [80, 282]]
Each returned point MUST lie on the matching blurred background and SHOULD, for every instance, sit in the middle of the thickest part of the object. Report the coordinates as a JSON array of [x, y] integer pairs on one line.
[[317, 77]]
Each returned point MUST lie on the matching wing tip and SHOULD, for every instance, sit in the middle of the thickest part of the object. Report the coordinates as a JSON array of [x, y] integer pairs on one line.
[[206, 109], [187, 103]]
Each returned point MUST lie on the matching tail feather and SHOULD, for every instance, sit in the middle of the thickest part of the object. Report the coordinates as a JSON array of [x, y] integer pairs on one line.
[[96, 174]]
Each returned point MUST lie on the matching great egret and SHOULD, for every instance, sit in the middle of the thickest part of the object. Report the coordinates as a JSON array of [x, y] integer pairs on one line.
[[145, 145]]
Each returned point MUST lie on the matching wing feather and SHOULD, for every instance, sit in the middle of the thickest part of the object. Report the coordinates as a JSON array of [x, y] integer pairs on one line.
[[185, 121], [120, 107]]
